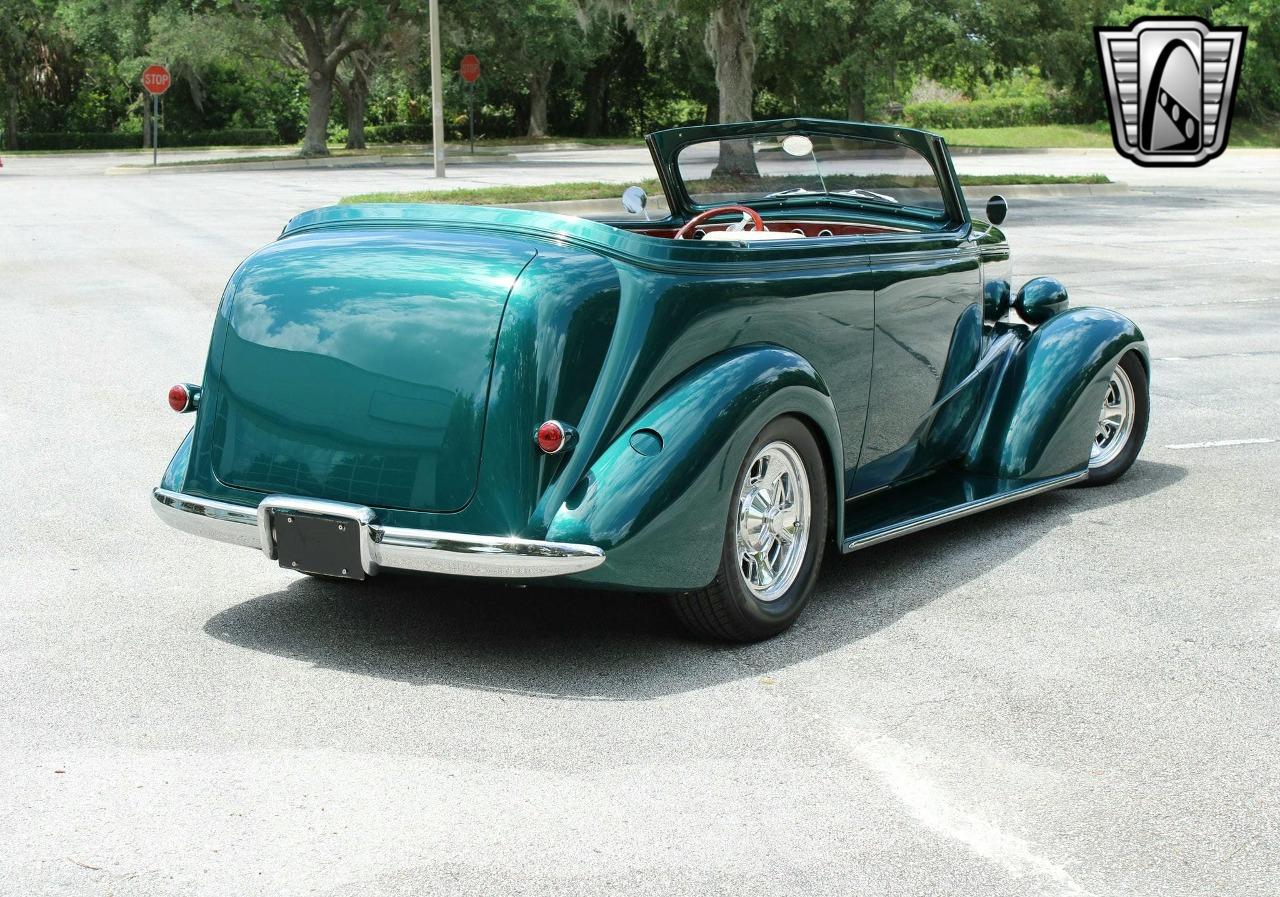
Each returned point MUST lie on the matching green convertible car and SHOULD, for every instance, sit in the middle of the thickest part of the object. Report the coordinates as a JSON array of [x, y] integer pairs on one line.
[[816, 348]]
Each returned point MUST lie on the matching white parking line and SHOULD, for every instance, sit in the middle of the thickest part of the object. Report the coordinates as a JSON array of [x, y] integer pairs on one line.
[[1214, 355], [908, 778], [1222, 442]]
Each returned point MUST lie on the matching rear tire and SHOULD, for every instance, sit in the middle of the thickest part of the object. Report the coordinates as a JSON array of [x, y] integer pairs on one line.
[[776, 533], [1122, 423]]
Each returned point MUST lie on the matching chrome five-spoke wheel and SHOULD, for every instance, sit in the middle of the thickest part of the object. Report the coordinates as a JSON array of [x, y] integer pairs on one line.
[[775, 532], [1122, 422], [773, 519], [1115, 421]]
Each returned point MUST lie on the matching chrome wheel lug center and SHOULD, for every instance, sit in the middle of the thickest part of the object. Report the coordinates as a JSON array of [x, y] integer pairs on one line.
[[1115, 421], [773, 505]]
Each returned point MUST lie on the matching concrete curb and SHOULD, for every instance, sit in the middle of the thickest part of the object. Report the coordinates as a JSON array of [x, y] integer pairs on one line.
[[1030, 150], [980, 193], [457, 155]]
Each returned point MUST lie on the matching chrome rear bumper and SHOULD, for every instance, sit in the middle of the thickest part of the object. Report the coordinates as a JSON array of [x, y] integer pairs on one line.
[[381, 547]]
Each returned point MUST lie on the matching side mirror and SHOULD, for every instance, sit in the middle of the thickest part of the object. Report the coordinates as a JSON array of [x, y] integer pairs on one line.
[[997, 209], [634, 199]]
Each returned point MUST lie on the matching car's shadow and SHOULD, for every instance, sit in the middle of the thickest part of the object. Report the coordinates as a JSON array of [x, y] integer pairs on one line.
[[583, 644]]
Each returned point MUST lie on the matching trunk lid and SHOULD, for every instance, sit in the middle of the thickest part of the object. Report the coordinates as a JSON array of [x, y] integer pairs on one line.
[[356, 364]]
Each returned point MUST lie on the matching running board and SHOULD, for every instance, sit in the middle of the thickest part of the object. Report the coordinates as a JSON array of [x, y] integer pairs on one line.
[[934, 500]]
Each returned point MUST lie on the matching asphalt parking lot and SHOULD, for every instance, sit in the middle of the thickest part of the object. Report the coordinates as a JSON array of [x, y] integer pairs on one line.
[[1073, 695]]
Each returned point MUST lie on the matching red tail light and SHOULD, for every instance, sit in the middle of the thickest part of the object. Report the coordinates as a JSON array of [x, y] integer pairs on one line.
[[184, 397], [554, 437]]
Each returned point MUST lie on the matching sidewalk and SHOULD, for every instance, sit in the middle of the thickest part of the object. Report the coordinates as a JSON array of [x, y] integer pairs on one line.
[[396, 155]]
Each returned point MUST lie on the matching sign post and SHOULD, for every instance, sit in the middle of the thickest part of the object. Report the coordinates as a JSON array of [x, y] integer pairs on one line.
[[437, 95], [155, 80], [469, 69]]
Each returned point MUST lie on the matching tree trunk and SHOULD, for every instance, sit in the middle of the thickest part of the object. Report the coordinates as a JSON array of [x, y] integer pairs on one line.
[[856, 99], [355, 99], [146, 120], [594, 86], [11, 121], [734, 55], [320, 96], [323, 48], [539, 87], [11, 118], [355, 120]]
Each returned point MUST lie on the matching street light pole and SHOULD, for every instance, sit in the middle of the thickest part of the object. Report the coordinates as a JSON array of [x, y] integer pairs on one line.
[[437, 100]]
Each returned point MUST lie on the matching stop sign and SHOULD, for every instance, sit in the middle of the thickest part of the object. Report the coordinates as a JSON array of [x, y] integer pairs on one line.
[[469, 68], [156, 79]]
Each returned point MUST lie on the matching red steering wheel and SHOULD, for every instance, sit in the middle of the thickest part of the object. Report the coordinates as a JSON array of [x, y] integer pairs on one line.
[[703, 217]]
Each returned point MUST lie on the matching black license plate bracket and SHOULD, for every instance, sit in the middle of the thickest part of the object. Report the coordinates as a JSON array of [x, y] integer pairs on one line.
[[312, 543]]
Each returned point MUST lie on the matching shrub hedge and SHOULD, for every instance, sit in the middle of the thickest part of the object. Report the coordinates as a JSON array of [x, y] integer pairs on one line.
[[400, 132], [63, 140], [1001, 113], [227, 137], [68, 140]]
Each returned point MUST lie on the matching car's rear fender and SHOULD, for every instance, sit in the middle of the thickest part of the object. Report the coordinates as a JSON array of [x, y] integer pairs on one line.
[[1043, 410], [660, 517]]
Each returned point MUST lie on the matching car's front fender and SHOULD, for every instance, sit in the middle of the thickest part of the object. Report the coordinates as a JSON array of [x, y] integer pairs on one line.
[[661, 516], [1044, 412]]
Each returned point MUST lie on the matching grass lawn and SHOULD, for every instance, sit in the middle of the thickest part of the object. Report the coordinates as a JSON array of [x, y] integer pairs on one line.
[[1098, 134], [1249, 133], [493, 196]]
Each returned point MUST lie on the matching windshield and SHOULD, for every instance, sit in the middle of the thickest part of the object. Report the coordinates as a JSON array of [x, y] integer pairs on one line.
[[743, 169]]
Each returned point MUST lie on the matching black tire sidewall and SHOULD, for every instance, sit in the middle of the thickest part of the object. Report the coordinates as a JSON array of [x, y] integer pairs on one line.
[[1111, 472], [765, 618]]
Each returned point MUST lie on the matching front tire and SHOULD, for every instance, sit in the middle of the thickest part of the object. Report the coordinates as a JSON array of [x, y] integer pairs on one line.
[[1122, 423], [776, 535]]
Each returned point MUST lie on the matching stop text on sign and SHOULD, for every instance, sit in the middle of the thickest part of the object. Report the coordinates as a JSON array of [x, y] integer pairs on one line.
[[469, 68], [155, 80]]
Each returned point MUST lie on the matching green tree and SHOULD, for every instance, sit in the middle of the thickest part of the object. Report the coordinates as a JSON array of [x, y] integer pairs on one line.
[[388, 40], [318, 36], [856, 52], [110, 38], [1054, 36], [1259, 91], [116, 39], [29, 47], [191, 43], [729, 42], [520, 43], [195, 44]]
